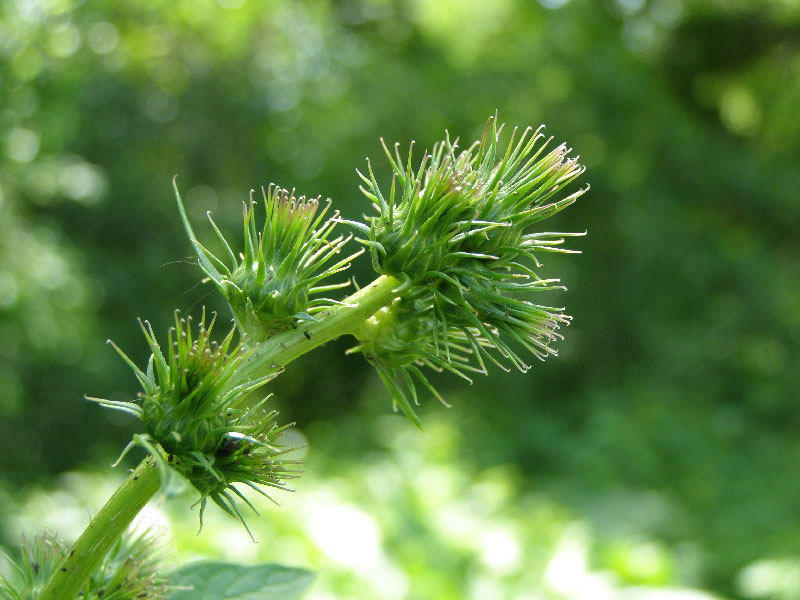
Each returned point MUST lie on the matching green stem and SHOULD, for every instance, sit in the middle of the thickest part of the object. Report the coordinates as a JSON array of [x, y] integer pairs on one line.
[[281, 349], [114, 518], [105, 529]]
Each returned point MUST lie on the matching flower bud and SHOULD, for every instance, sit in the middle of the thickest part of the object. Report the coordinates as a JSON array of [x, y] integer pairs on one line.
[[456, 232], [275, 280], [132, 570], [461, 207], [194, 424], [401, 338]]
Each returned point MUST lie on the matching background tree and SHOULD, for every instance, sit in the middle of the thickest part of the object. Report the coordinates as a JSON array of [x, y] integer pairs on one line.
[[670, 415]]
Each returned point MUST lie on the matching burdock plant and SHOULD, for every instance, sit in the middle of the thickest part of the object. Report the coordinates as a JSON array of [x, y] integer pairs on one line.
[[453, 240]]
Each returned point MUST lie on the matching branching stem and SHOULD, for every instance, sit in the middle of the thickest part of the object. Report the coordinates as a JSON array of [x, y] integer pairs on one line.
[[118, 513], [283, 348]]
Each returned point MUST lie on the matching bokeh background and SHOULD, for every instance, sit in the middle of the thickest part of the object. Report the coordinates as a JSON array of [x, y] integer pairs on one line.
[[657, 457]]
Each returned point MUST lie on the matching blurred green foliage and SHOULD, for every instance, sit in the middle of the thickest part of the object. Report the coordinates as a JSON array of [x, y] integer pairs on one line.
[[669, 419]]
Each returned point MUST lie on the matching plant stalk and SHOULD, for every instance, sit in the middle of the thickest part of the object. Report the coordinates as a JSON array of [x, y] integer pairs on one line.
[[104, 530], [279, 350], [114, 518]]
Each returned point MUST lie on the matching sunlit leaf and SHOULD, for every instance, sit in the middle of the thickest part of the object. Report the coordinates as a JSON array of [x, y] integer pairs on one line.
[[226, 581]]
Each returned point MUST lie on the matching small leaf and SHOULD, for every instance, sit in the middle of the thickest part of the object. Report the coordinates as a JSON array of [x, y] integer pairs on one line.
[[226, 581]]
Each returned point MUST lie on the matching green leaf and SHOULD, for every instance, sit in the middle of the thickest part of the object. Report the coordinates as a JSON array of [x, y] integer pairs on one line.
[[226, 581]]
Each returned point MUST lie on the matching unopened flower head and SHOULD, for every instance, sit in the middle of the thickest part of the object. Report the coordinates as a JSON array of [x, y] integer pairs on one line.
[[132, 570], [193, 421], [456, 230], [469, 205], [279, 275], [40, 558], [401, 339]]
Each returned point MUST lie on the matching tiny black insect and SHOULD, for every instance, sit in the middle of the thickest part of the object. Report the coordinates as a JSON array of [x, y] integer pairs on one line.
[[227, 447], [308, 335]]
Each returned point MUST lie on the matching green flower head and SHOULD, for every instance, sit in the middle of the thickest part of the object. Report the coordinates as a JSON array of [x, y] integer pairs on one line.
[[276, 279], [456, 231], [40, 557], [132, 570], [473, 205], [400, 339], [193, 420]]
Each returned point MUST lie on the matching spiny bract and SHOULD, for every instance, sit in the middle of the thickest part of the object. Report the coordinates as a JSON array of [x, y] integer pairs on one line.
[[275, 279], [132, 570], [456, 232], [193, 420]]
